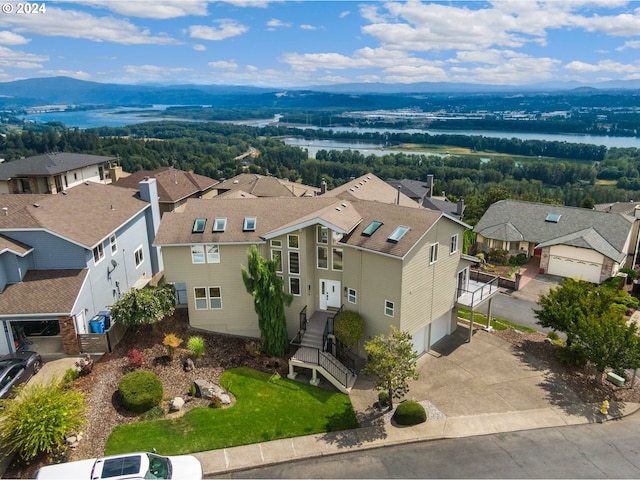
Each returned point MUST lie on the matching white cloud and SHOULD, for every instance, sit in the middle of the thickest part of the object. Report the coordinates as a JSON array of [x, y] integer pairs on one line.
[[18, 59], [274, 23], [223, 64], [228, 28], [10, 38], [151, 73], [603, 66], [158, 9], [344, 14], [76, 24], [307, 27], [80, 75], [198, 47]]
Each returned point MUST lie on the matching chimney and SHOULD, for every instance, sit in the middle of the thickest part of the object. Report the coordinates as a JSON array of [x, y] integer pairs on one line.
[[115, 173], [398, 200], [323, 187], [430, 185], [460, 207], [149, 193]]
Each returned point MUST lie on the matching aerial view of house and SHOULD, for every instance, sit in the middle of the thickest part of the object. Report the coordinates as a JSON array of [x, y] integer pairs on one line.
[[571, 242]]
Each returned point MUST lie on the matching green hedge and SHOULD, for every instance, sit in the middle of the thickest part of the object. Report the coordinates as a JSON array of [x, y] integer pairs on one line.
[[410, 413], [140, 391]]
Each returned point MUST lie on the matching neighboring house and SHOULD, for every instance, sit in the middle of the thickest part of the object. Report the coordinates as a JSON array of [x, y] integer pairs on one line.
[[394, 264], [65, 258], [628, 208], [175, 187], [261, 186], [571, 242], [52, 172], [422, 193]]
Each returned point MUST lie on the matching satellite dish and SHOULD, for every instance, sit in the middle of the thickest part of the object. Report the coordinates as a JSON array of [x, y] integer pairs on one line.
[[114, 263]]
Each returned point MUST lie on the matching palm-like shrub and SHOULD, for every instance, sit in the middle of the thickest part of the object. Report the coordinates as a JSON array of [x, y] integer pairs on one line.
[[196, 346], [409, 413], [39, 418], [140, 391]]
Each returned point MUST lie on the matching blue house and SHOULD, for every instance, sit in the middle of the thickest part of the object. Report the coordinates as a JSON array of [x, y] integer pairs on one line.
[[64, 259]]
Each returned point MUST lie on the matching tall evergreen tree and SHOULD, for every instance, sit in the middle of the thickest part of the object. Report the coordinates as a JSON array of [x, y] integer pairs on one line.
[[262, 282]]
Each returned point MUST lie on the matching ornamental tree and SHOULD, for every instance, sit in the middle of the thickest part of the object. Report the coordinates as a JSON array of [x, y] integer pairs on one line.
[[391, 359], [145, 306], [269, 299]]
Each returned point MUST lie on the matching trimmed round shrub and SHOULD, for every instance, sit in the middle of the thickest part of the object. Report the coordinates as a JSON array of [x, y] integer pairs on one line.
[[348, 327], [383, 399], [409, 413], [140, 391]]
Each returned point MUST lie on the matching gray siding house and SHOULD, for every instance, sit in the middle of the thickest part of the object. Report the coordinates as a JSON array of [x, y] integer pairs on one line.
[[65, 258]]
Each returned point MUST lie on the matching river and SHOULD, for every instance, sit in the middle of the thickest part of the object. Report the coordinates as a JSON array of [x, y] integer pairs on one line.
[[118, 117]]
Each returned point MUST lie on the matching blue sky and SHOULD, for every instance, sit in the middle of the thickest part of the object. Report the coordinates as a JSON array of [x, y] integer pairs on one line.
[[303, 43]]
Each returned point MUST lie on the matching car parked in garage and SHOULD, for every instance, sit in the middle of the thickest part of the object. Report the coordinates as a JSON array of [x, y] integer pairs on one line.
[[17, 368]]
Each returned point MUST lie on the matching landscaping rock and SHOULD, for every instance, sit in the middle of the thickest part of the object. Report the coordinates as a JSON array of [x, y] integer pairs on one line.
[[188, 365], [205, 389], [176, 404], [225, 399]]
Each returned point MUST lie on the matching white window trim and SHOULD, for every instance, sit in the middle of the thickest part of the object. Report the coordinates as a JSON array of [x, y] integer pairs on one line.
[[276, 243], [326, 249], [289, 242], [352, 293], [454, 250], [319, 230], [223, 221], [434, 248], [216, 256], [135, 256], [281, 260], [113, 241], [342, 261], [207, 297], [393, 308], [289, 263], [100, 249], [204, 254], [299, 287]]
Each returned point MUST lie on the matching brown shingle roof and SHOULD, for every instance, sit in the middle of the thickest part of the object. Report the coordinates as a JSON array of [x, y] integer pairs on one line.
[[85, 214], [262, 186], [173, 184], [15, 246], [43, 292], [370, 187]]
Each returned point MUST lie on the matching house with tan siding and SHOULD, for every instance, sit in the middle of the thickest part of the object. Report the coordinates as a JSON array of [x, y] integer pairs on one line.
[[392, 261]]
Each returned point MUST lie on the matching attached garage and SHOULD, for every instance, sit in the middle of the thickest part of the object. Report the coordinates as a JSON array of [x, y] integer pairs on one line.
[[439, 329], [572, 262]]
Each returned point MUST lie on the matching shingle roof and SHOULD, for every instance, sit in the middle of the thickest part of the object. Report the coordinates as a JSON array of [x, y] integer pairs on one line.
[[627, 208], [85, 214], [43, 292], [11, 245], [49, 164], [173, 184], [370, 187], [261, 186], [411, 188], [513, 220]]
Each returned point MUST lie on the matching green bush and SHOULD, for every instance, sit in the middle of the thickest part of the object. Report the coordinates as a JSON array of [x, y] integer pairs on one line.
[[70, 376], [519, 259], [498, 256], [631, 274], [40, 418], [409, 413], [196, 346], [140, 391], [153, 413], [383, 399], [348, 327], [553, 336], [574, 356]]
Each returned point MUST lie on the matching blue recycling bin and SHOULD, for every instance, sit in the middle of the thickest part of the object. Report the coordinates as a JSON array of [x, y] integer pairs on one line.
[[97, 324]]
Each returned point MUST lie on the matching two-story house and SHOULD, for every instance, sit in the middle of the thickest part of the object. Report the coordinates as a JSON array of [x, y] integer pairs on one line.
[[392, 261], [64, 258], [52, 172]]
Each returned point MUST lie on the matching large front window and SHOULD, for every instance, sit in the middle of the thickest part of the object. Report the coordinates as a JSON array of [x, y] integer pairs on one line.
[[323, 258], [294, 263]]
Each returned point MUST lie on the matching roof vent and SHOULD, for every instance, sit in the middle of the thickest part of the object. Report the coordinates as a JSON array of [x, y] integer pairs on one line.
[[5, 210], [37, 205], [344, 205], [337, 209]]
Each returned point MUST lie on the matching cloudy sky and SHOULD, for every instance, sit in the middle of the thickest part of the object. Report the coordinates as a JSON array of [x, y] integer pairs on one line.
[[300, 43]]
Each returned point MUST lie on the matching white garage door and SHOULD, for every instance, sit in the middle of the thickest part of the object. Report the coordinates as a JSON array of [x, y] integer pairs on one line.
[[570, 268], [418, 340], [439, 329]]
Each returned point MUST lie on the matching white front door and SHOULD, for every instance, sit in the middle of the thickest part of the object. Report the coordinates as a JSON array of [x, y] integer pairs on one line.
[[329, 294]]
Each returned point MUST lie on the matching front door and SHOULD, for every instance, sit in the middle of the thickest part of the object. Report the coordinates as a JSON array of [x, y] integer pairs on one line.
[[329, 294]]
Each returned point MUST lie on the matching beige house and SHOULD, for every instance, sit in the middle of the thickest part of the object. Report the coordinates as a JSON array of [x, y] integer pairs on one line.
[[394, 264]]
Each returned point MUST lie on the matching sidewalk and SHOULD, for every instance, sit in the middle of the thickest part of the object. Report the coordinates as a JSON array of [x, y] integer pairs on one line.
[[477, 388]]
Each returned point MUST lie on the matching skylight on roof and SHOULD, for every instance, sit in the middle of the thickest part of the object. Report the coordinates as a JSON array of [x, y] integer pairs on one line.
[[553, 217], [198, 225], [249, 224], [398, 233], [371, 228], [219, 224]]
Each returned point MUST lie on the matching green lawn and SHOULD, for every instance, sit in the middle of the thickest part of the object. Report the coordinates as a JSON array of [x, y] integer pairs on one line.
[[265, 409], [497, 323]]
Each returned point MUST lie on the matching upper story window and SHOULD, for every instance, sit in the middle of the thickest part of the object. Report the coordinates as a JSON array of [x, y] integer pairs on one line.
[[219, 224], [249, 224], [276, 256], [336, 262], [293, 241], [198, 225], [98, 253], [114, 244], [433, 255], [213, 254], [389, 308], [294, 263], [322, 235], [454, 244], [202, 253], [138, 255], [323, 258], [276, 243]]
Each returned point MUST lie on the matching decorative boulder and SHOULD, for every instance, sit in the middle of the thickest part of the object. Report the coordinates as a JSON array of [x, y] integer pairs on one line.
[[224, 399], [176, 404], [205, 389], [188, 365]]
